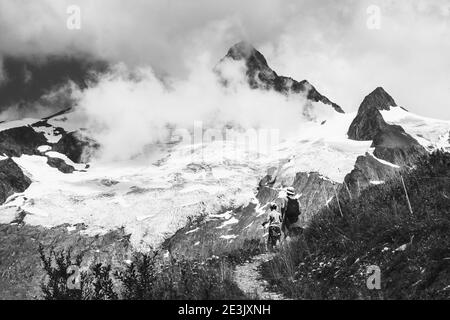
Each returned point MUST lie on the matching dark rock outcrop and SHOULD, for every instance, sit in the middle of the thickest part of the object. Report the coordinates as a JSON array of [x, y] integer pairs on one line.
[[367, 171], [315, 192], [369, 121], [73, 145], [367, 124], [18, 141], [391, 142], [260, 75], [378, 99], [60, 164], [21, 140], [12, 179]]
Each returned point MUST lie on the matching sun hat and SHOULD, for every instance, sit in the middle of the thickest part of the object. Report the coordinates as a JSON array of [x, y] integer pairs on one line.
[[290, 192]]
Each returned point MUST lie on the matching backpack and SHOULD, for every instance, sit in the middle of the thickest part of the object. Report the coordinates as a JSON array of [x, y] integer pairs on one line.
[[292, 211]]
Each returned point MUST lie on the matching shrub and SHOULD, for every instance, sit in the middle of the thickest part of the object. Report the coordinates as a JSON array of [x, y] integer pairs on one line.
[[147, 277], [62, 271], [412, 249], [56, 266]]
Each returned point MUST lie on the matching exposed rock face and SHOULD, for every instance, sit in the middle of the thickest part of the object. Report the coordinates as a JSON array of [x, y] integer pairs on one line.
[[73, 146], [396, 146], [379, 99], [12, 179], [315, 191], [391, 142], [369, 120], [21, 140], [367, 124], [367, 171], [260, 75], [60, 164]]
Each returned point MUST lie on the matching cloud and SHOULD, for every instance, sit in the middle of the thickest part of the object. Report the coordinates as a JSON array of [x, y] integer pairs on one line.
[[130, 110], [326, 42], [162, 33], [346, 60]]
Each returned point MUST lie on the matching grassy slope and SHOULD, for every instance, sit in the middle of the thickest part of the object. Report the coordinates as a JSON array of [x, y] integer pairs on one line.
[[412, 250]]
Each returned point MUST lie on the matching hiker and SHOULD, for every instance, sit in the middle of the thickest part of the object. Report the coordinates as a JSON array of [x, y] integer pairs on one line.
[[274, 220], [290, 210]]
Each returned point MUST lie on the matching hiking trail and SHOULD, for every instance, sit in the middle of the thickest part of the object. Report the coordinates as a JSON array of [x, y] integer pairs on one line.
[[249, 280]]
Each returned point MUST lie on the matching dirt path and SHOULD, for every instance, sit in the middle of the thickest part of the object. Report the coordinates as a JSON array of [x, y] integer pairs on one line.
[[248, 279]]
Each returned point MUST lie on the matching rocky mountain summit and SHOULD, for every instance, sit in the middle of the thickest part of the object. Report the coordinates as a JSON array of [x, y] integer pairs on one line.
[[260, 75], [391, 142], [369, 121]]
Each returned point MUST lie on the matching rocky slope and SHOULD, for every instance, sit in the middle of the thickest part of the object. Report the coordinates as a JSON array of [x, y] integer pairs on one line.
[[12, 179], [391, 151], [393, 148], [391, 142]]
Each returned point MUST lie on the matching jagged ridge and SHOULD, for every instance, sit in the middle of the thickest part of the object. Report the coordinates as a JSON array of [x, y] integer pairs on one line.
[[260, 75]]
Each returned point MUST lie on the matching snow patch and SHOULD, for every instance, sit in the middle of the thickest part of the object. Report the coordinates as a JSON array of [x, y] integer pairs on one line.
[[248, 226], [228, 223], [192, 231], [427, 131], [329, 200], [71, 228], [48, 133], [387, 163], [211, 189], [226, 215], [228, 237], [44, 148], [17, 123], [54, 154]]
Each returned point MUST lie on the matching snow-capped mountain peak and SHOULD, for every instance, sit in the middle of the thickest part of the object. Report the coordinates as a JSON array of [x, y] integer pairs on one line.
[[369, 121], [261, 76], [378, 99]]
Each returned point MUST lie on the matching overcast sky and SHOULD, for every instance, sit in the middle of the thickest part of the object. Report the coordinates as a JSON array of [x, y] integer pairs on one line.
[[327, 42]]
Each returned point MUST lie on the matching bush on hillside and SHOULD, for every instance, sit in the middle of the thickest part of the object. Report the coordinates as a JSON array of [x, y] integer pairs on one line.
[[56, 266], [411, 249], [147, 277]]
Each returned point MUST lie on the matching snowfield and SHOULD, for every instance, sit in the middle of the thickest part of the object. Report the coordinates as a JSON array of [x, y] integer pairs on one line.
[[431, 133], [153, 195]]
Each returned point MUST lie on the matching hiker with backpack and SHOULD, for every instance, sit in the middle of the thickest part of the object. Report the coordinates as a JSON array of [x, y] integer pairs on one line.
[[274, 220], [290, 210]]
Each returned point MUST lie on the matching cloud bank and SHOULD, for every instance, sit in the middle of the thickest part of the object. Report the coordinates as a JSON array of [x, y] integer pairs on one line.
[[130, 110], [326, 42]]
